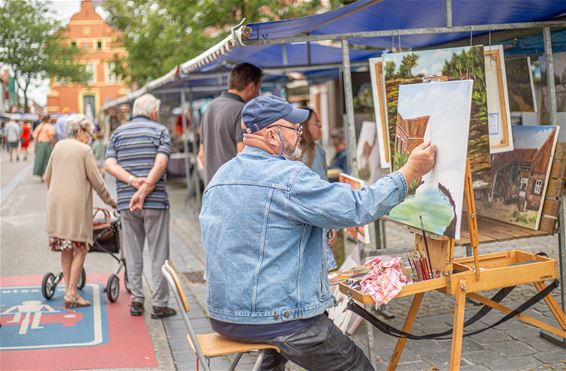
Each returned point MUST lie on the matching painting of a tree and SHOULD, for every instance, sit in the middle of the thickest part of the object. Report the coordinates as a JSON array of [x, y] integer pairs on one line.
[[407, 64], [458, 64]]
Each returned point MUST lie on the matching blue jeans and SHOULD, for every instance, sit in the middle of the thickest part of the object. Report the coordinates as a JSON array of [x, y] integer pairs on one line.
[[322, 346]]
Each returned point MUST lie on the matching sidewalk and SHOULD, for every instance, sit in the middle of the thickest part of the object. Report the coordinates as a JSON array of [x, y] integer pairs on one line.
[[26, 257], [510, 346]]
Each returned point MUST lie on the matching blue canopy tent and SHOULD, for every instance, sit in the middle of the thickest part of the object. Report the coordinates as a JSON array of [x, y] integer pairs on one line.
[[419, 24], [291, 45]]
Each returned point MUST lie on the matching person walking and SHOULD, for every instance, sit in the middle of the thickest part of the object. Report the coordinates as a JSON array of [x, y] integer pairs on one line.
[[44, 136], [221, 131], [137, 156], [340, 160], [262, 220], [314, 156], [12, 132], [70, 177], [60, 124], [25, 138]]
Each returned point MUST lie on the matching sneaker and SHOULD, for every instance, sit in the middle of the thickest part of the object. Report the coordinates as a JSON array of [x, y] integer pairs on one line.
[[136, 308], [162, 312]]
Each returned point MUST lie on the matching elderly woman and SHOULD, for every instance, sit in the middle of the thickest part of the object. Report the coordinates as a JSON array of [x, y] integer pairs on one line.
[[70, 177]]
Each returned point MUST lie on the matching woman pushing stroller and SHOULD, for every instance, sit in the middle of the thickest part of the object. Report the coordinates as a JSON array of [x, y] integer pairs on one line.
[[71, 175]]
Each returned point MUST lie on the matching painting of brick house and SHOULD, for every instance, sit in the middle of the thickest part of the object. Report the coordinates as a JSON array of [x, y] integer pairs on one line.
[[409, 133], [519, 178]]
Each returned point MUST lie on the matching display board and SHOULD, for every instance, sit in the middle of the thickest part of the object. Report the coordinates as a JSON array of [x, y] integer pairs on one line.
[[358, 233], [368, 153], [519, 178], [520, 85], [440, 112]]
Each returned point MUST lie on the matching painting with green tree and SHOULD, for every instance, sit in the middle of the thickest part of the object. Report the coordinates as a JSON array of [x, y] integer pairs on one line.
[[443, 65], [437, 112]]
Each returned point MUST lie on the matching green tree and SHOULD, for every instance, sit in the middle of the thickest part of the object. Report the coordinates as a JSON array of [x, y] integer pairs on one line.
[[408, 62], [390, 69], [161, 34], [32, 46]]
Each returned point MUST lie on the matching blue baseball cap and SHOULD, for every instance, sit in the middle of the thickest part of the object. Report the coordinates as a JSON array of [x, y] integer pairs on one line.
[[263, 111]]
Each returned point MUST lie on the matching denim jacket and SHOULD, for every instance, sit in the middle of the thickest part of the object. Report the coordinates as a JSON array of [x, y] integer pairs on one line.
[[262, 219]]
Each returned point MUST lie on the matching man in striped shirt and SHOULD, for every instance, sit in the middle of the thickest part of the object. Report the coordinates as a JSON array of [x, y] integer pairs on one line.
[[137, 156]]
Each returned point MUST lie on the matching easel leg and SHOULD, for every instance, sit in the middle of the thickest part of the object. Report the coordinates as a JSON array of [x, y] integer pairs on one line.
[[417, 300], [458, 330], [553, 306]]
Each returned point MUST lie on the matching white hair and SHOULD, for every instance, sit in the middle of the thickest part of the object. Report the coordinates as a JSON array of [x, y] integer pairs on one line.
[[76, 122], [145, 105]]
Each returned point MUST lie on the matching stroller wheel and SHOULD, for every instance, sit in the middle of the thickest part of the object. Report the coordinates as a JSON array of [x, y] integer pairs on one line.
[[113, 288], [82, 280], [48, 286]]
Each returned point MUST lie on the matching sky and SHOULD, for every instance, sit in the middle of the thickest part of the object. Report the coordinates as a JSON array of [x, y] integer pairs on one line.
[[530, 136], [62, 10]]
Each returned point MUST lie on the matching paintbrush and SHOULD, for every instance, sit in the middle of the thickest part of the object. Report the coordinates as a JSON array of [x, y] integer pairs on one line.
[[426, 247], [411, 265]]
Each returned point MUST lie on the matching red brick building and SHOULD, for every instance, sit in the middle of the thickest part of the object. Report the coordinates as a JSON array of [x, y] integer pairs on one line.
[[409, 133], [98, 42]]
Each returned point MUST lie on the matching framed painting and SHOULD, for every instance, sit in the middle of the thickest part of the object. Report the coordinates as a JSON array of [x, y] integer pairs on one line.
[[380, 108], [439, 112], [520, 177], [499, 121], [464, 63]]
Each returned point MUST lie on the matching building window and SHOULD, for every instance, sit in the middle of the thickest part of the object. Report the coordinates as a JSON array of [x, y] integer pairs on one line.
[[99, 45], [74, 44], [92, 72], [538, 187], [111, 76], [524, 184]]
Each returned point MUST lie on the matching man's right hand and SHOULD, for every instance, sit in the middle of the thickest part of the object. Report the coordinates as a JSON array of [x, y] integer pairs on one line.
[[420, 162]]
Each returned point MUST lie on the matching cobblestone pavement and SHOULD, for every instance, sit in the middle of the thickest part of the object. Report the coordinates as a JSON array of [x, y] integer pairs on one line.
[[510, 346]]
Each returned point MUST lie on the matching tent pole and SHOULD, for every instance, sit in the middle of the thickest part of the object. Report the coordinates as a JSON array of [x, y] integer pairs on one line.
[[448, 13], [554, 121], [350, 124], [196, 176], [550, 74], [184, 139]]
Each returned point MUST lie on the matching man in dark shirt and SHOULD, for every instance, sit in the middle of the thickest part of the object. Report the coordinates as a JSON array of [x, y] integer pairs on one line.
[[221, 131]]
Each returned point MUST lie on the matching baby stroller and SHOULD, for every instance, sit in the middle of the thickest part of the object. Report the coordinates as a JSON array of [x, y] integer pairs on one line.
[[106, 239]]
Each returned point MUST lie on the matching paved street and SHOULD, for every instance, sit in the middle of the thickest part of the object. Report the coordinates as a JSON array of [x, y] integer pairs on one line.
[[511, 346]]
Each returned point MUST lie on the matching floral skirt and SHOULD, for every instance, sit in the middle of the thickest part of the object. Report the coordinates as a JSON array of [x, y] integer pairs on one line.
[[59, 244]]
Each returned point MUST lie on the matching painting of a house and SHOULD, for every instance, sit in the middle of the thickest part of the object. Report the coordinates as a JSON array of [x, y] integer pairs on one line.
[[409, 133], [519, 177], [438, 112]]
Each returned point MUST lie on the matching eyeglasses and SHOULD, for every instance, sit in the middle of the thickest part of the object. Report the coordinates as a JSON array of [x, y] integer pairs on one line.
[[298, 129]]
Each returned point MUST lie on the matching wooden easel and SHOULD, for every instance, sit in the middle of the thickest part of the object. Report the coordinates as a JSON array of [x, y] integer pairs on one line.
[[465, 277]]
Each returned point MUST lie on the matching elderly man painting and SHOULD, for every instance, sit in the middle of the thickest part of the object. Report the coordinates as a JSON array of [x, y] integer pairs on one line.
[[262, 223], [137, 155]]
